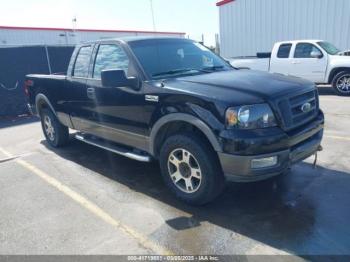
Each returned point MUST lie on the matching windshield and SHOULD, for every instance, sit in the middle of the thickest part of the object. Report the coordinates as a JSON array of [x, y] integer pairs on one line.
[[329, 48], [163, 58]]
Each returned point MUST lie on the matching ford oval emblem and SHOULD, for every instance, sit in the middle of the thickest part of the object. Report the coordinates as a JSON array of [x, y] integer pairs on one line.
[[306, 107]]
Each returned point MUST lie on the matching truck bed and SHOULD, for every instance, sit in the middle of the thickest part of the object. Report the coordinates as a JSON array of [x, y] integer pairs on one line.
[[251, 62], [49, 85]]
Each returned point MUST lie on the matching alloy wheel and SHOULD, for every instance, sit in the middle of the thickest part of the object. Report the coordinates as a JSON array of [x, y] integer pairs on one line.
[[184, 170], [49, 129], [343, 84]]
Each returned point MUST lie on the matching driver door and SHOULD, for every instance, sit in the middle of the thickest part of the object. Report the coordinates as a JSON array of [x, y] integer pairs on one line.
[[304, 65], [117, 112]]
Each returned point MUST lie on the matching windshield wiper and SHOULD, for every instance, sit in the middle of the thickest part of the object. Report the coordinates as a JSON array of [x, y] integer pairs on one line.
[[213, 68], [179, 71]]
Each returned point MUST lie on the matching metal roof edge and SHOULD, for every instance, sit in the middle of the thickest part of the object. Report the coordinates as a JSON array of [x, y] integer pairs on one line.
[[88, 30], [224, 2]]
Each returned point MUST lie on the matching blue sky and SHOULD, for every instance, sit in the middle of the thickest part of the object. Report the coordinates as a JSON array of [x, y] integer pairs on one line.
[[191, 16]]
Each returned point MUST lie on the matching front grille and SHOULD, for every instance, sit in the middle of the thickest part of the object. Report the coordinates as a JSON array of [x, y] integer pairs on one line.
[[290, 109]]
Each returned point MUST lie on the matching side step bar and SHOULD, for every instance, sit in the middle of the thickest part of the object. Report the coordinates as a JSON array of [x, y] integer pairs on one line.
[[112, 148]]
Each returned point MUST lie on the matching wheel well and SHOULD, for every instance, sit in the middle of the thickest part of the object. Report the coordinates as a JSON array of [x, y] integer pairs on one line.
[[175, 127], [335, 71]]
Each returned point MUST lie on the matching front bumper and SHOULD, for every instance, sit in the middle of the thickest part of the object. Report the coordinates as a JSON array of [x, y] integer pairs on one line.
[[301, 144]]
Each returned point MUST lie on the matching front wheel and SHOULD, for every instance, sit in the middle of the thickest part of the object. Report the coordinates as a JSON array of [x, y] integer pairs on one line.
[[56, 134], [341, 83], [191, 169]]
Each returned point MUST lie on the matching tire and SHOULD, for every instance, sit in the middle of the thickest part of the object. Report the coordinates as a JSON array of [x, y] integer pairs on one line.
[[341, 83], [56, 134], [204, 176]]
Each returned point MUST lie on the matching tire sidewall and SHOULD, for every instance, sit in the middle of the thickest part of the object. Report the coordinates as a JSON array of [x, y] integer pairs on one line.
[[54, 123], [335, 80], [211, 174]]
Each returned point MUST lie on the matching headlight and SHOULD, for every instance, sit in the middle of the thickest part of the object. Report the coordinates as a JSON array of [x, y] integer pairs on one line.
[[250, 117]]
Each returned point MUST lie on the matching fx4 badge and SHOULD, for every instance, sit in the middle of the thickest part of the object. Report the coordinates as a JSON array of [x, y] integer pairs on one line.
[[151, 98]]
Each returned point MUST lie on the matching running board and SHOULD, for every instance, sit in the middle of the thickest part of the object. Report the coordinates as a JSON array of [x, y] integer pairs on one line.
[[113, 148]]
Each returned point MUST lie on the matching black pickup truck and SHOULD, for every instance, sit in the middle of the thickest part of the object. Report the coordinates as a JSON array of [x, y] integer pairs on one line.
[[173, 100]]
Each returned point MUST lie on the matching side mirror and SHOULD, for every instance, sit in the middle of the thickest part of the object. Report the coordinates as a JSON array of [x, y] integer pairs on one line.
[[118, 78], [316, 54]]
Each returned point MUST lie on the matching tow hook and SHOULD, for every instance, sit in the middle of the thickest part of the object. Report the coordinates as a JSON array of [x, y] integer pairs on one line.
[[319, 148]]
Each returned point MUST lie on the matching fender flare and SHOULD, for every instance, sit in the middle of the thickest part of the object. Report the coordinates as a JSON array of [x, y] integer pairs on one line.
[[333, 73], [184, 118], [39, 97]]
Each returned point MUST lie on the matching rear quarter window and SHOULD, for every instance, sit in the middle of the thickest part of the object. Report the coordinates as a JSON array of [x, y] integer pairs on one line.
[[81, 66], [284, 50]]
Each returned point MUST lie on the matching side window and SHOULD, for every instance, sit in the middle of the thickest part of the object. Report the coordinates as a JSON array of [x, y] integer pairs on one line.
[[304, 50], [284, 50], [110, 57], [81, 65]]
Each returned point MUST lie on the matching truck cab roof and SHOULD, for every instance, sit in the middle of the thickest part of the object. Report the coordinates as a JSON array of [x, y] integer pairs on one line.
[[128, 39], [299, 41]]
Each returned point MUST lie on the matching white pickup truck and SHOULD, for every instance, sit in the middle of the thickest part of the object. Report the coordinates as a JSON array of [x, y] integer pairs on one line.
[[314, 60]]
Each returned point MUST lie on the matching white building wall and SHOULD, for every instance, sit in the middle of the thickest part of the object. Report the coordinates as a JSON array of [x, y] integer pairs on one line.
[[250, 26], [15, 36]]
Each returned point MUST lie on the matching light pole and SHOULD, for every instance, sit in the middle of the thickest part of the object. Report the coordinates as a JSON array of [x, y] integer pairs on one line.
[[74, 30], [152, 11]]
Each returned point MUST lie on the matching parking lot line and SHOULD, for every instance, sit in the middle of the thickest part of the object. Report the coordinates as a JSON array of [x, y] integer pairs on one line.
[[338, 137], [93, 208]]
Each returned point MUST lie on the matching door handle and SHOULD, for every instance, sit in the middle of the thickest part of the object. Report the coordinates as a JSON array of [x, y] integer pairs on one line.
[[295, 62], [91, 93]]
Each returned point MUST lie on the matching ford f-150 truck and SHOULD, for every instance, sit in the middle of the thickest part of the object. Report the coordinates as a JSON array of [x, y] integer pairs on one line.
[[173, 100], [314, 60]]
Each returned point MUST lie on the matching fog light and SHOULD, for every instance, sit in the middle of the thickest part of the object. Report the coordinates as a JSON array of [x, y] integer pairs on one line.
[[264, 162]]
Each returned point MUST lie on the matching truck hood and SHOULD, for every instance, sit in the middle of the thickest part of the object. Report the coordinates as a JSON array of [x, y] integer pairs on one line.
[[237, 86], [339, 60], [345, 53]]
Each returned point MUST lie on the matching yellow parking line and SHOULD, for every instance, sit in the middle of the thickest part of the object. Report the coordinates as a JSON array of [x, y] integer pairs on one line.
[[93, 208], [338, 137]]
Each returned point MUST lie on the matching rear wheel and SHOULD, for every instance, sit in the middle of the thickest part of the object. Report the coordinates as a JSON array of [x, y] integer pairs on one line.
[[56, 134], [190, 168], [341, 83]]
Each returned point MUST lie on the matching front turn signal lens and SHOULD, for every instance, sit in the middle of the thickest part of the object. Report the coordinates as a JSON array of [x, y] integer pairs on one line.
[[231, 117]]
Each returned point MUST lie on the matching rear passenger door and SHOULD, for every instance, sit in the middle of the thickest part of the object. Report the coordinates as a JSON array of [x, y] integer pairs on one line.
[[77, 102], [306, 66], [117, 112], [280, 61]]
